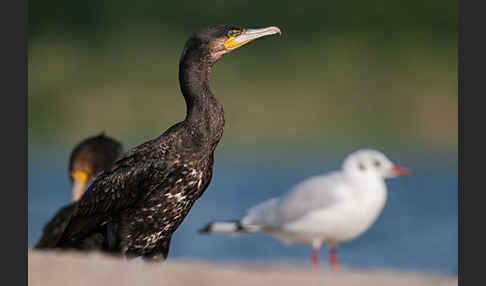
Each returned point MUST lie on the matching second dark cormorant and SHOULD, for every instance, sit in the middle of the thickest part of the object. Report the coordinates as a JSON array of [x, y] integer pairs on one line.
[[149, 191], [88, 159]]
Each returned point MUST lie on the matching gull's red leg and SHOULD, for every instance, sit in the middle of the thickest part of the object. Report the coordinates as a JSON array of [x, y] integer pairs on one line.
[[333, 258], [315, 257]]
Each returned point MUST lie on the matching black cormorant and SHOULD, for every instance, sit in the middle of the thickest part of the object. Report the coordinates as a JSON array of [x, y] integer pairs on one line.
[[147, 193], [88, 159]]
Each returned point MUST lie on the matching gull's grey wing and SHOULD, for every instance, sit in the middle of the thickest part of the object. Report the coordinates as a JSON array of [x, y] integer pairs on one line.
[[317, 192], [262, 214]]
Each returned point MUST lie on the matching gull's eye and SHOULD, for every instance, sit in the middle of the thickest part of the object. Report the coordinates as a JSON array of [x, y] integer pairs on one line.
[[377, 164]]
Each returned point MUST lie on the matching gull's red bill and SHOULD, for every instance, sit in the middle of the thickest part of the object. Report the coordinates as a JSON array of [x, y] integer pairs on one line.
[[399, 171]]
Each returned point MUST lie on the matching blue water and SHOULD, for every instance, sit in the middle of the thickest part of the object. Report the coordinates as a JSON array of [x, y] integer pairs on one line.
[[417, 231]]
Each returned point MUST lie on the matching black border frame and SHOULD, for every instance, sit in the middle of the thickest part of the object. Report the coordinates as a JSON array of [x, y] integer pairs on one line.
[[471, 63], [14, 238], [13, 20]]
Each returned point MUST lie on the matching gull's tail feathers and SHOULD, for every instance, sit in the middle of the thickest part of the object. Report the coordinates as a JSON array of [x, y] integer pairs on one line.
[[229, 227]]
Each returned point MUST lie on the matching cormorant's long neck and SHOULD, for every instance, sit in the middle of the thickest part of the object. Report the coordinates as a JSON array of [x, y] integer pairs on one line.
[[204, 113]]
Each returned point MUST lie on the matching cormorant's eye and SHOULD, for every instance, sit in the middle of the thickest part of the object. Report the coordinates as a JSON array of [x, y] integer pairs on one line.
[[377, 163], [233, 33]]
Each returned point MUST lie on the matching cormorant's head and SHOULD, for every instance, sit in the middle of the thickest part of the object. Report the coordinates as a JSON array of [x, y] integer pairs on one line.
[[218, 40], [89, 158]]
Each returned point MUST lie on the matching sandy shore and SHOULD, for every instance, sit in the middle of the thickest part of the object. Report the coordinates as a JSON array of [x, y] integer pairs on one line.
[[65, 269]]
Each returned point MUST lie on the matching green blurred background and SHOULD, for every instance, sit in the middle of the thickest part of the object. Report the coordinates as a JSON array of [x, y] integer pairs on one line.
[[344, 74]]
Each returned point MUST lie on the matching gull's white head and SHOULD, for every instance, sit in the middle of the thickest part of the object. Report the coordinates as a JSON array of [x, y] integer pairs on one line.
[[366, 163]]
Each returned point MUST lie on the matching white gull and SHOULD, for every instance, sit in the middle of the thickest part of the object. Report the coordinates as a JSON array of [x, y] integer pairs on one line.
[[326, 209]]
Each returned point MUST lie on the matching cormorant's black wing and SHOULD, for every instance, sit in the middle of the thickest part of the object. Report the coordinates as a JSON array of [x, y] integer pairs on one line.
[[53, 231]]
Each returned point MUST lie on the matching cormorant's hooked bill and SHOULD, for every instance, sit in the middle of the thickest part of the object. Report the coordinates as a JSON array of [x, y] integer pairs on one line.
[[240, 37]]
